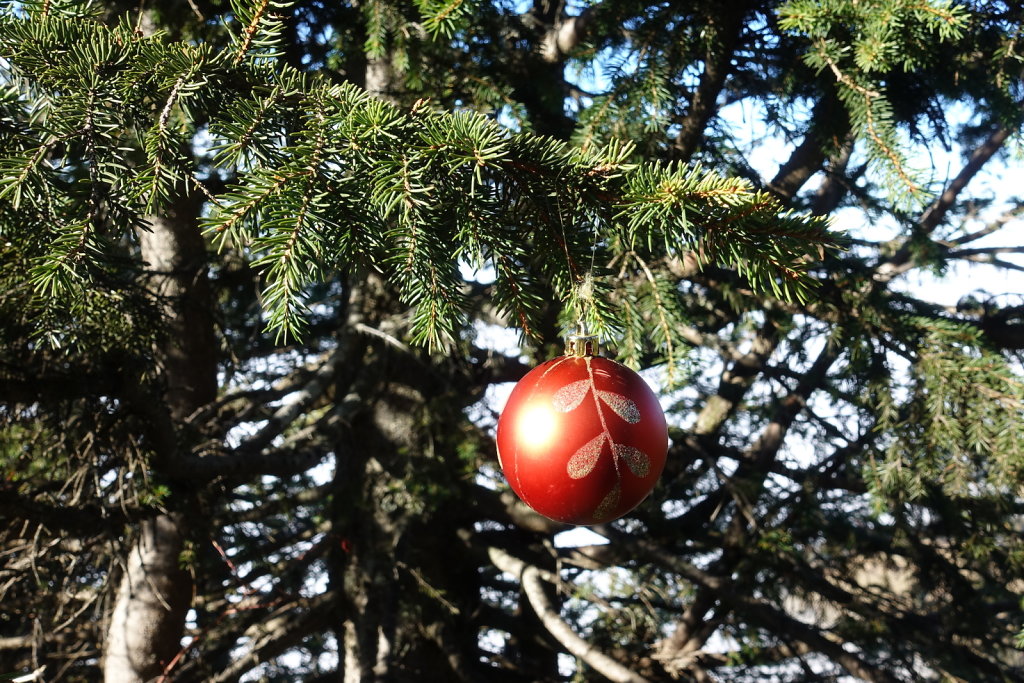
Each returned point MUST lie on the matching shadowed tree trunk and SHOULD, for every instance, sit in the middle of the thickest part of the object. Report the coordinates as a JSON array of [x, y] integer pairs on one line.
[[155, 591], [152, 600]]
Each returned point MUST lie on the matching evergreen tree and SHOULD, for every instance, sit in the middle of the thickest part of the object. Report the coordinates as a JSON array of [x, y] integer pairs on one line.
[[252, 254]]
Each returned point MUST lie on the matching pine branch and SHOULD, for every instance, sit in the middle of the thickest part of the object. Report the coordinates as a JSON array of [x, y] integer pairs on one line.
[[993, 261], [985, 251], [875, 49], [717, 64], [442, 18], [366, 183], [772, 619], [963, 425], [664, 325], [261, 28], [292, 249], [932, 218]]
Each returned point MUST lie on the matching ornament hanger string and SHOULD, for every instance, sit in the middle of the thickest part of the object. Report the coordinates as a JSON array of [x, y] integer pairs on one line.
[[583, 283]]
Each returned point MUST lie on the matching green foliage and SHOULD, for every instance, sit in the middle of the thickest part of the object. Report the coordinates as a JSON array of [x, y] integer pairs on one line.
[[842, 495], [961, 426], [861, 44], [257, 30], [638, 106], [328, 176], [678, 209], [444, 17]]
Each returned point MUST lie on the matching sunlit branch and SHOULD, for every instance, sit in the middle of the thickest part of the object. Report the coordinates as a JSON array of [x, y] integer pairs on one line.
[[531, 578]]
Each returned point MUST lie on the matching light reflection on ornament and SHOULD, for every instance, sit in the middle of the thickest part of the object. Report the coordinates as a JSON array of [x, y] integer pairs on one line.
[[536, 426]]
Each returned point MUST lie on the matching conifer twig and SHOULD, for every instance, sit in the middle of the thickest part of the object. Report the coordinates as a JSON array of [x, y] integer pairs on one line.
[[250, 31]]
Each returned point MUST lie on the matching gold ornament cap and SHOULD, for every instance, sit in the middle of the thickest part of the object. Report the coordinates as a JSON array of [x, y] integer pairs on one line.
[[582, 343]]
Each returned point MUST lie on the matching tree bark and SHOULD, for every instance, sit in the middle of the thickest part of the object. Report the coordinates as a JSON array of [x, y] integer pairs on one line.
[[829, 126], [175, 251], [371, 516], [146, 626], [155, 591], [727, 28]]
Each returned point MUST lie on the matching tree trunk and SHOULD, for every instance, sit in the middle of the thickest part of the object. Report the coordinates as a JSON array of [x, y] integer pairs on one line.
[[372, 512], [155, 591], [146, 626], [398, 559]]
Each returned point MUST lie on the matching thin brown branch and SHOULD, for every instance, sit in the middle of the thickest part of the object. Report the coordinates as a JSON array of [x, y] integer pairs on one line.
[[998, 224], [506, 507], [937, 212], [902, 261], [767, 616], [530, 577], [249, 32], [735, 382], [985, 251], [997, 262], [726, 30], [88, 519], [284, 629], [829, 122], [678, 652]]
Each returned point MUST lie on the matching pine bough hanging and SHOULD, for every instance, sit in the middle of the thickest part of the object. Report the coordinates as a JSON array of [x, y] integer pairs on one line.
[[105, 126]]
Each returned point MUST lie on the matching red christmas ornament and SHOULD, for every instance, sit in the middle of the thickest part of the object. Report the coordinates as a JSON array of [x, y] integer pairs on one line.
[[582, 438]]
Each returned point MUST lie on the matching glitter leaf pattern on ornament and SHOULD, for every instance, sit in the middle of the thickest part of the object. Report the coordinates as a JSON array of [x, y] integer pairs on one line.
[[607, 506], [637, 461], [623, 407], [585, 459], [571, 395]]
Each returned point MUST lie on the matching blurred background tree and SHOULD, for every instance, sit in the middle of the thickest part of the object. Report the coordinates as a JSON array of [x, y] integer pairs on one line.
[[258, 264]]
